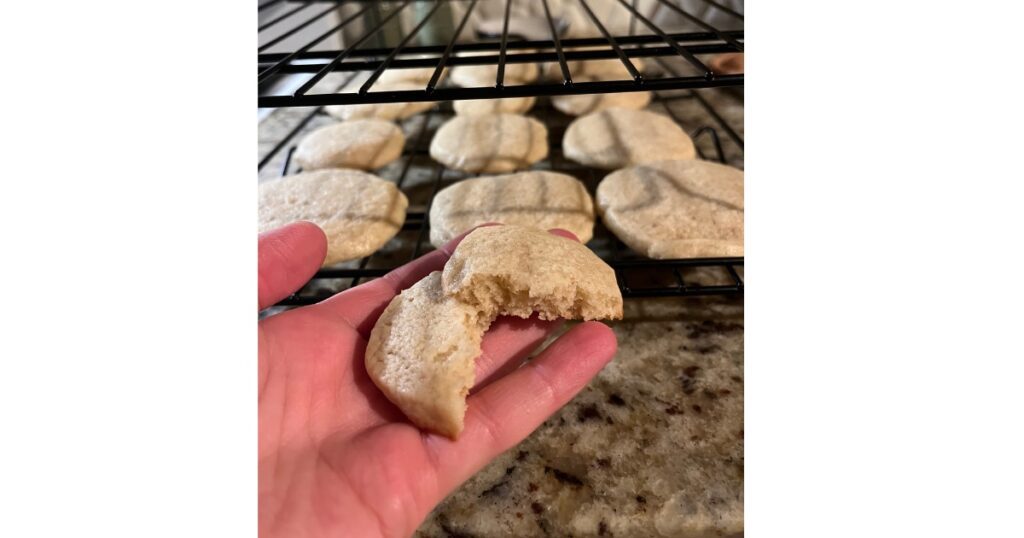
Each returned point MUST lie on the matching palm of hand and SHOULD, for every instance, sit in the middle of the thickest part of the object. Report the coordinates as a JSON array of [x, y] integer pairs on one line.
[[335, 456]]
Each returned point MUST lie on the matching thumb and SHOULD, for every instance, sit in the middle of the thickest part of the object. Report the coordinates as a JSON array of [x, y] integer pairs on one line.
[[288, 257]]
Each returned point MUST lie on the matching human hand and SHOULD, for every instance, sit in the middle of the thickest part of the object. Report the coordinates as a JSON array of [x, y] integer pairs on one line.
[[336, 458]]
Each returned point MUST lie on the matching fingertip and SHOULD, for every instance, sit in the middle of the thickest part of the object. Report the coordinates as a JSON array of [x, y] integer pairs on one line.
[[301, 234], [287, 258], [309, 228], [564, 233], [596, 340]]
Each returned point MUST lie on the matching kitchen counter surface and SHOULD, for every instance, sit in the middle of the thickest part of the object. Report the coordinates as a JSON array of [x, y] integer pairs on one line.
[[652, 447]]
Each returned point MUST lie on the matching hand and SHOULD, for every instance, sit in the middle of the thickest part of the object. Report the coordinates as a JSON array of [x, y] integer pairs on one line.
[[336, 458]]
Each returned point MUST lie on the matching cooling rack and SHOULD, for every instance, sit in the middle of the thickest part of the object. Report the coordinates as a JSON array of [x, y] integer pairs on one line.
[[420, 178], [398, 34]]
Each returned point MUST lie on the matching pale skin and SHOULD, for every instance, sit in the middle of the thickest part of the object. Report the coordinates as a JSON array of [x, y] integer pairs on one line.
[[336, 458]]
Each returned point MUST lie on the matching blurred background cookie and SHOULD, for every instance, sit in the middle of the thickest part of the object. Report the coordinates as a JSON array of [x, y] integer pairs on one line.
[[618, 137], [490, 144], [362, 144]]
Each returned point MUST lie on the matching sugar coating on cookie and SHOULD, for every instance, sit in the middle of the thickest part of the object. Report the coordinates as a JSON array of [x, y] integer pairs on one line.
[[421, 355], [616, 138], [361, 144], [490, 144], [357, 211], [484, 107], [539, 199], [383, 111], [675, 209], [515, 270]]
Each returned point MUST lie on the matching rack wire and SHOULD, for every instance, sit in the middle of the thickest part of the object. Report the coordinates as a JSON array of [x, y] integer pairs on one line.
[[420, 178], [647, 39]]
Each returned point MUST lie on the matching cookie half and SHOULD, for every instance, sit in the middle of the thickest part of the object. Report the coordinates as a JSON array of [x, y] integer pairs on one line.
[[421, 355], [514, 270]]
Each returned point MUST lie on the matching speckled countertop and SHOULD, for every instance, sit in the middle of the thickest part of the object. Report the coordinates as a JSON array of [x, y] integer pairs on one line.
[[652, 447]]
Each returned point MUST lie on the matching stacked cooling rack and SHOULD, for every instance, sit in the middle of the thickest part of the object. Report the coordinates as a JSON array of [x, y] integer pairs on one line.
[[383, 36]]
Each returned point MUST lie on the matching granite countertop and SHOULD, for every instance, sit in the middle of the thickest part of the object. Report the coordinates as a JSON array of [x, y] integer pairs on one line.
[[652, 447]]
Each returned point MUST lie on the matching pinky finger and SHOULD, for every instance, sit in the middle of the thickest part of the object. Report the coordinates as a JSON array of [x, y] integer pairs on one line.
[[509, 409]]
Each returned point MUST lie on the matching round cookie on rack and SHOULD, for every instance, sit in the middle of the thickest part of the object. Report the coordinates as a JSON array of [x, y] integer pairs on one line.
[[617, 137], [675, 209], [419, 75], [473, 76], [362, 144], [382, 111], [578, 105], [490, 144], [611, 69], [357, 211], [537, 199], [483, 107]]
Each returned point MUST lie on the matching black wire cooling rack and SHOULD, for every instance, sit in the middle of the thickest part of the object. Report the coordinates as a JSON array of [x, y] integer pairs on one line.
[[370, 22], [420, 178]]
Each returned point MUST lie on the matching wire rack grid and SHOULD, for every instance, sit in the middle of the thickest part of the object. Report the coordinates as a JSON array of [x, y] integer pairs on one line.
[[399, 34], [420, 178]]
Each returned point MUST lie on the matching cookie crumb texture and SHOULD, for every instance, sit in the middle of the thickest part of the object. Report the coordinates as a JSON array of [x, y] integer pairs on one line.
[[628, 457], [421, 355], [514, 270], [490, 144], [357, 211], [675, 209]]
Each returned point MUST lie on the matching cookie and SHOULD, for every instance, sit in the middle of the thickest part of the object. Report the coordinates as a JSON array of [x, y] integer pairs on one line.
[[484, 107], [418, 75], [589, 70], [515, 270], [421, 355], [382, 111], [357, 211], [490, 144], [578, 105], [362, 144], [617, 137], [473, 76], [538, 199], [675, 209]]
